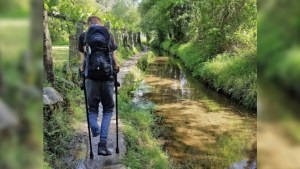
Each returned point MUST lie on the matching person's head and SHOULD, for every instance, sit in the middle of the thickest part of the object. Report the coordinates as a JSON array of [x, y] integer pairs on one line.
[[94, 20]]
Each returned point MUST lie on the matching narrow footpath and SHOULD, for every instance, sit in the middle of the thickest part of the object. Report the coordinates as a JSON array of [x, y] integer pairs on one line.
[[113, 161]]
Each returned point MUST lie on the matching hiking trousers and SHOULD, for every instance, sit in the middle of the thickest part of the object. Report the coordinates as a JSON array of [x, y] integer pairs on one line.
[[100, 92]]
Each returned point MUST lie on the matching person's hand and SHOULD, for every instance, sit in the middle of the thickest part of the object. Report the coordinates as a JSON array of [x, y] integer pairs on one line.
[[81, 68], [117, 69], [81, 74]]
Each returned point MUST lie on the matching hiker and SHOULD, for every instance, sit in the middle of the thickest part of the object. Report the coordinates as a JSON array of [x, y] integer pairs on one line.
[[98, 60]]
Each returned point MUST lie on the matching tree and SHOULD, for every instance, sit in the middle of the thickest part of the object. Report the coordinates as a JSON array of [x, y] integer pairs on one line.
[[47, 45]]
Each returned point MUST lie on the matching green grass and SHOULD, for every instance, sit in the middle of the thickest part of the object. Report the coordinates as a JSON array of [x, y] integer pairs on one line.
[[60, 125], [191, 54], [235, 74], [61, 42], [143, 61], [143, 149], [60, 55], [124, 54]]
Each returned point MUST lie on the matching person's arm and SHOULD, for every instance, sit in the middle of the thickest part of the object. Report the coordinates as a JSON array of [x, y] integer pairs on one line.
[[115, 60], [81, 51], [81, 61], [114, 54]]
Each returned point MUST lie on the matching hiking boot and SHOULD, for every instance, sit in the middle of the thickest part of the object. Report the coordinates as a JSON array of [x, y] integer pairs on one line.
[[103, 150]]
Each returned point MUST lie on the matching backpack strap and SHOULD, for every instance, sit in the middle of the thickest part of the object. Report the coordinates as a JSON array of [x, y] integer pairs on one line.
[[110, 53], [86, 55]]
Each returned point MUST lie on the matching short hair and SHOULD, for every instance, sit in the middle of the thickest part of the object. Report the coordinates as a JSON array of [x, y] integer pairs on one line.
[[94, 20]]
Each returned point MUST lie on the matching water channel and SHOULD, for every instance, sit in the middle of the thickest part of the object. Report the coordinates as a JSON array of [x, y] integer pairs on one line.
[[200, 128]]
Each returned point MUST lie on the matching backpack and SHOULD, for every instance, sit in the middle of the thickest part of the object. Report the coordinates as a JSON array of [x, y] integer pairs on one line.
[[98, 60]]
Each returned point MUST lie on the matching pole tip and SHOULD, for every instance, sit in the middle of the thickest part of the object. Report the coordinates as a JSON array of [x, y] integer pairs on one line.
[[117, 150], [91, 155]]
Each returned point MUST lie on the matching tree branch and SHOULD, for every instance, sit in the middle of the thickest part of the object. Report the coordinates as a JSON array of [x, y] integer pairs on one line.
[[63, 17]]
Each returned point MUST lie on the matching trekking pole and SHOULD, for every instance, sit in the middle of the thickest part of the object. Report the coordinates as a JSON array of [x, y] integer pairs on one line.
[[117, 84], [87, 117]]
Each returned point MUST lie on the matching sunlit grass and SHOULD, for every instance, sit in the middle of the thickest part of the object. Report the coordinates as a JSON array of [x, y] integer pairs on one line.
[[60, 55], [235, 75]]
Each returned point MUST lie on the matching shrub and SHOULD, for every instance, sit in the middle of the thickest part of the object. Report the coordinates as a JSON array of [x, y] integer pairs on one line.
[[174, 49], [166, 44], [143, 62], [155, 43], [191, 54]]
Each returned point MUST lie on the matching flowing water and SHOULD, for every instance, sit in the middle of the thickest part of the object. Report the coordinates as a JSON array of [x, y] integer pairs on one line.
[[200, 128]]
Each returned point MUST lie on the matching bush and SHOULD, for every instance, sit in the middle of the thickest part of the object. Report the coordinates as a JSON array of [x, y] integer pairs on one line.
[[166, 44], [155, 43], [143, 62], [174, 49], [191, 54], [123, 54]]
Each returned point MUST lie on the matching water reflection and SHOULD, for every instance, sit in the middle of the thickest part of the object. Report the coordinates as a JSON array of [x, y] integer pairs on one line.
[[201, 129]]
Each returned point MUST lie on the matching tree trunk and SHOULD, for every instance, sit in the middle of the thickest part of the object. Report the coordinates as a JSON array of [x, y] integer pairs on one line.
[[47, 56], [125, 38], [139, 38], [116, 35], [73, 46], [161, 36], [135, 38], [148, 38], [131, 39]]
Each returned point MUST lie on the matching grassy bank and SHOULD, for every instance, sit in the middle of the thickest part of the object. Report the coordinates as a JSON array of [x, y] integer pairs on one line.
[[232, 72], [143, 149]]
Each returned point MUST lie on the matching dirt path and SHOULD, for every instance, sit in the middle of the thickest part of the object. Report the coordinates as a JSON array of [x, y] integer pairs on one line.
[[113, 161]]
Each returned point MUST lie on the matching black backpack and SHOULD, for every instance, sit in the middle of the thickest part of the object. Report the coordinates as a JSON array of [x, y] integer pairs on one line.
[[98, 59]]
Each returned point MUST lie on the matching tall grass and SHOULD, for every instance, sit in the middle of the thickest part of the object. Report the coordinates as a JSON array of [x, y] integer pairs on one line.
[[191, 54], [143, 61], [235, 75]]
